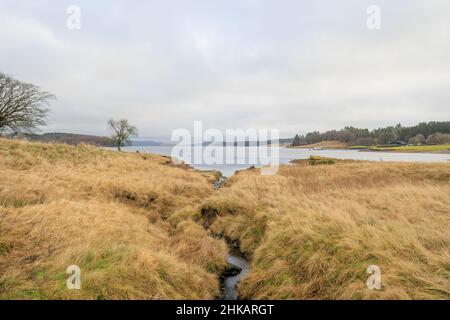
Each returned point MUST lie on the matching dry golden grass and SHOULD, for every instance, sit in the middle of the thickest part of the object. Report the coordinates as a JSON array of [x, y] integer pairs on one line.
[[128, 221], [125, 219], [312, 231]]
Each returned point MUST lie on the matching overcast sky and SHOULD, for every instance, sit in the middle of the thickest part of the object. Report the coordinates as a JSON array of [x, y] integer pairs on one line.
[[293, 65]]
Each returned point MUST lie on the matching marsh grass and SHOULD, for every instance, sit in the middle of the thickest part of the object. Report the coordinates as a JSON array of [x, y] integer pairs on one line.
[[312, 231], [125, 219], [134, 223]]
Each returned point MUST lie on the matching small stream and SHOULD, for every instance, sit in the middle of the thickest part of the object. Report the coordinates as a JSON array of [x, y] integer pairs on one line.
[[238, 267]]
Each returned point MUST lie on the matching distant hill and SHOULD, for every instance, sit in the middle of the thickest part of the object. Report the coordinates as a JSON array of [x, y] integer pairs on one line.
[[252, 143], [69, 138], [288, 140], [148, 143], [74, 139]]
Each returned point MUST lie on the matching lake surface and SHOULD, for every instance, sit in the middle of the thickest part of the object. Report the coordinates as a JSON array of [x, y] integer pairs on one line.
[[288, 154]]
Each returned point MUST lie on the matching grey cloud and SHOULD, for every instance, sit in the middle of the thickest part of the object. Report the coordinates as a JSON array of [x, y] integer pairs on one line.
[[293, 65]]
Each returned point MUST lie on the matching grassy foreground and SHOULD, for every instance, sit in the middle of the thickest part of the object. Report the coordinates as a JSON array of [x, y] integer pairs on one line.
[[125, 219], [312, 230], [132, 222]]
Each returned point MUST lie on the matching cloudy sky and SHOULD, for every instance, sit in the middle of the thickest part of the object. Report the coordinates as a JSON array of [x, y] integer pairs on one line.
[[293, 65]]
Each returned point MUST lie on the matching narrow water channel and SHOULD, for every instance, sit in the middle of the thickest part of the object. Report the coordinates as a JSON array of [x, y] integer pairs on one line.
[[238, 267]]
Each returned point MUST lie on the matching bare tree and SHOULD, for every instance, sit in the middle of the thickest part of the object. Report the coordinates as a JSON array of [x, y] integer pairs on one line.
[[23, 106], [122, 132]]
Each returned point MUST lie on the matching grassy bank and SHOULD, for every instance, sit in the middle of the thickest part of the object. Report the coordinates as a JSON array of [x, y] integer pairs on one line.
[[312, 230], [125, 219], [442, 148], [423, 148]]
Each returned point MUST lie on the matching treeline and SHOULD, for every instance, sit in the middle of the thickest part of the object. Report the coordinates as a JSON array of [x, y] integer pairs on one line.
[[69, 138], [434, 132]]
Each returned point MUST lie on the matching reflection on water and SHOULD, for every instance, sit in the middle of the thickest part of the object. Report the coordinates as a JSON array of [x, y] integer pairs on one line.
[[288, 154], [230, 291]]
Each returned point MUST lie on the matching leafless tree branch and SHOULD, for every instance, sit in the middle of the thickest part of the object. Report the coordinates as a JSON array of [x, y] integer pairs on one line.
[[23, 106]]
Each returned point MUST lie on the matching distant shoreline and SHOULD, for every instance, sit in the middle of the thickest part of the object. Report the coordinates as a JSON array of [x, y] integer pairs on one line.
[[335, 145], [405, 151]]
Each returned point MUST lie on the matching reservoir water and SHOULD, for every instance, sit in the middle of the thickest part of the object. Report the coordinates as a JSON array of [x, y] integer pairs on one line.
[[288, 154]]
